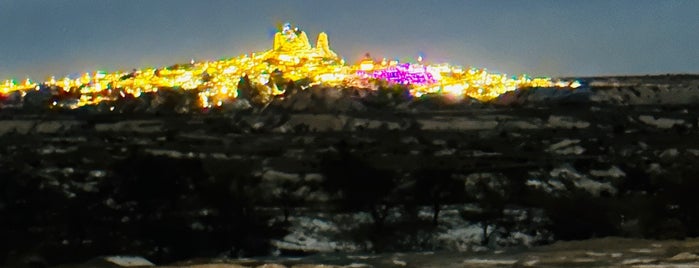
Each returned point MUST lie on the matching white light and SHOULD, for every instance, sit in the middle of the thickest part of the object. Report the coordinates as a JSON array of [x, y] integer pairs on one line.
[[366, 66], [230, 70], [575, 84]]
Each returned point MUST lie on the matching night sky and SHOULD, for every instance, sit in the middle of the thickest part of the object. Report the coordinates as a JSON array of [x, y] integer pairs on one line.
[[554, 38]]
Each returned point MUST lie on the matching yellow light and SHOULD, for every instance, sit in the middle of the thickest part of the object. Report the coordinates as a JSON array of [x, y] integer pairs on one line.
[[285, 57], [66, 84], [366, 66], [230, 70], [455, 90], [204, 100]]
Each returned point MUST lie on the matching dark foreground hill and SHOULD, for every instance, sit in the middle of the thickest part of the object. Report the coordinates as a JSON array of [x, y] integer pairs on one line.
[[346, 171]]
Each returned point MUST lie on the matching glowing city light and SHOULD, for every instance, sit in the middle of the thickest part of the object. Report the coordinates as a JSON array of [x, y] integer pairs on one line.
[[405, 74], [292, 58]]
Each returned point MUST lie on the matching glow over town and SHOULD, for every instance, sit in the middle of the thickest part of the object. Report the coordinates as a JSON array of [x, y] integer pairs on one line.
[[293, 58]]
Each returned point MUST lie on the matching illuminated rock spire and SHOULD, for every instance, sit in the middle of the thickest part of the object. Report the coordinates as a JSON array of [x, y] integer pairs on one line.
[[323, 46], [291, 41]]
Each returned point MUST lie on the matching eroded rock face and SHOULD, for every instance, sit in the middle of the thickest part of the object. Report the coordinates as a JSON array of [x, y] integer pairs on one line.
[[292, 42]]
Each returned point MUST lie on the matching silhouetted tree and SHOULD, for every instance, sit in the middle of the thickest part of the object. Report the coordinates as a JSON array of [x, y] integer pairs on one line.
[[181, 208], [437, 187], [361, 186], [491, 192]]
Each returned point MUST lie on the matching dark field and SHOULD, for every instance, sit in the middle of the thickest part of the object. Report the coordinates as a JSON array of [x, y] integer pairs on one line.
[[341, 174]]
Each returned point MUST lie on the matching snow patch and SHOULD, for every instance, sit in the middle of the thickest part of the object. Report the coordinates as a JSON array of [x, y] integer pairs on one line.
[[522, 125], [53, 126], [518, 238], [97, 173], [549, 186], [612, 172], [685, 256], [128, 261], [637, 261], [462, 239], [581, 181], [670, 153], [565, 147], [595, 254], [313, 177], [456, 124], [655, 168], [566, 122], [358, 265], [445, 152], [50, 149], [168, 153], [530, 262], [694, 152], [278, 176], [15, 126], [481, 153], [660, 122], [641, 250], [399, 262], [489, 262]]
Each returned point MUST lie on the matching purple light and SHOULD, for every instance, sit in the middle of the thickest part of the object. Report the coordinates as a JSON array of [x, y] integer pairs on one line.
[[405, 73]]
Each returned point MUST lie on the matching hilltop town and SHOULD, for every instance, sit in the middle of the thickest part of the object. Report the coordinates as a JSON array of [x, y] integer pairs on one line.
[[291, 59]]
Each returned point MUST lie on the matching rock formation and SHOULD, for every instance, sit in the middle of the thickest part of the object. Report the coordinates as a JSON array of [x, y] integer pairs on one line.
[[291, 44]]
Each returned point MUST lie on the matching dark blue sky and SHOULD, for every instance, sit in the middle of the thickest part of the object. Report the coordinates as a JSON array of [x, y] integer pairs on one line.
[[539, 37]]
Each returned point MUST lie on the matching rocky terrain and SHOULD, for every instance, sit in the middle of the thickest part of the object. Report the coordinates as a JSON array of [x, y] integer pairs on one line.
[[325, 174]]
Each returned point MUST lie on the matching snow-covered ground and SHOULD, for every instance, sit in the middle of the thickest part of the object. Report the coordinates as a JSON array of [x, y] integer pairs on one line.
[[602, 252]]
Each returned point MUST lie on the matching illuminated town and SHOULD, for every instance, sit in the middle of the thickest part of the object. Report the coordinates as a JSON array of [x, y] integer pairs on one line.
[[292, 58]]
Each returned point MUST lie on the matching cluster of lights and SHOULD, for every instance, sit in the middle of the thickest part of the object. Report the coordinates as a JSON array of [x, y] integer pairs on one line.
[[293, 58], [404, 74]]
